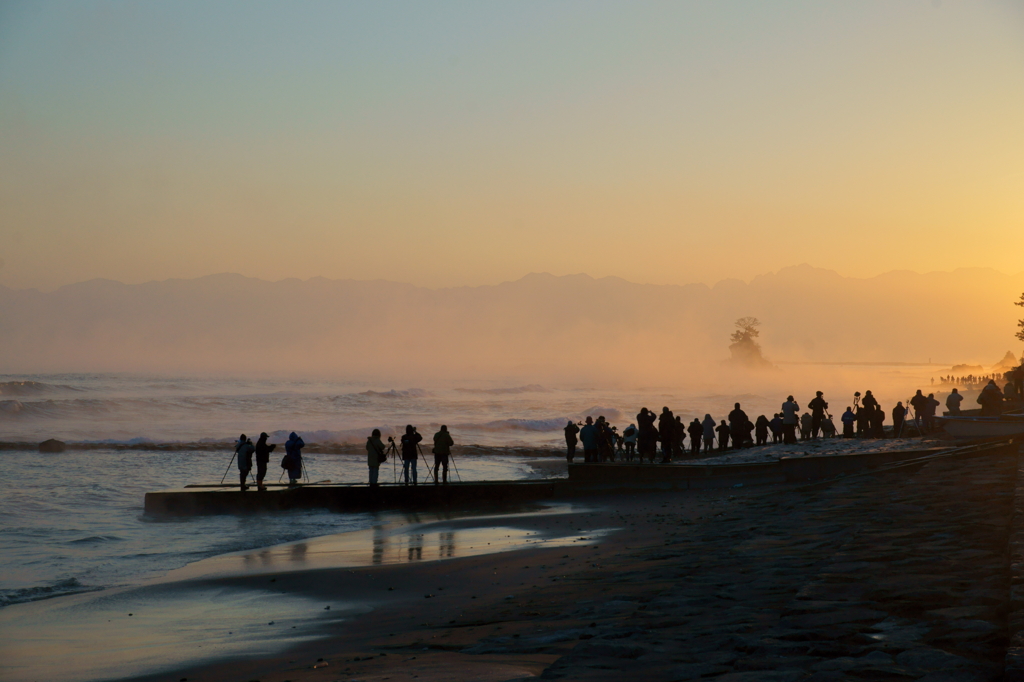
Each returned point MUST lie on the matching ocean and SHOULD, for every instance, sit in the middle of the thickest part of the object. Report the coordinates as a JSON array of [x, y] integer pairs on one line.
[[74, 521]]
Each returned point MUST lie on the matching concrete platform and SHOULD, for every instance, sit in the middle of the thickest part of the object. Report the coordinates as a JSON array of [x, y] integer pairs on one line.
[[584, 479], [356, 497]]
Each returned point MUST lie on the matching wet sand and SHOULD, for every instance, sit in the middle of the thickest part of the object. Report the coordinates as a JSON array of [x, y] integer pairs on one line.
[[902, 575]]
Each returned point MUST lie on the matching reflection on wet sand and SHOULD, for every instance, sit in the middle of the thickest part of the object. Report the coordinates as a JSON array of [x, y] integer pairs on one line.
[[398, 538]]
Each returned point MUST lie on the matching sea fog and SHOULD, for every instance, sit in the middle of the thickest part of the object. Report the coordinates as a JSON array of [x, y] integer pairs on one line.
[[131, 409]]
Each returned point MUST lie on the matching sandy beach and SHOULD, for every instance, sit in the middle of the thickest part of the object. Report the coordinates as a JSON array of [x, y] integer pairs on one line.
[[899, 575]]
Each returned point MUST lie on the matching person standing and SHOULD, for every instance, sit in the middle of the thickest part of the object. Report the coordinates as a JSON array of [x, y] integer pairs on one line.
[[848, 420], [920, 405], [629, 437], [262, 459], [899, 413], [805, 426], [776, 427], [696, 431], [790, 419], [570, 440], [293, 455], [761, 427], [991, 399], [737, 422], [953, 401], [929, 413], [723, 436], [442, 451], [709, 432], [589, 437], [410, 453], [647, 438], [818, 407], [878, 422], [244, 451], [666, 427], [374, 455]]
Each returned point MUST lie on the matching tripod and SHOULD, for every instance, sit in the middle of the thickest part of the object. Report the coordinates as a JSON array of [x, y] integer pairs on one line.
[[233, 454], [393, 451]]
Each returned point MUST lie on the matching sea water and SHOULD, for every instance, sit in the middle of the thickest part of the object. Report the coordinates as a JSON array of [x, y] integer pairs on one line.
[[74, 521]]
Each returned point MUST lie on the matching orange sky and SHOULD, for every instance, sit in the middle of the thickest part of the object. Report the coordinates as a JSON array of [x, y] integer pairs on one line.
[[460, 143]]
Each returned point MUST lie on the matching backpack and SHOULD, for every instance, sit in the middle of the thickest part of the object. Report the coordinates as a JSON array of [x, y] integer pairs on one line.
[[286, 462]]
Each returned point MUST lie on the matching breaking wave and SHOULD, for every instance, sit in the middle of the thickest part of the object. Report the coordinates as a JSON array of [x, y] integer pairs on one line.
[[55, 589], [531, 388]]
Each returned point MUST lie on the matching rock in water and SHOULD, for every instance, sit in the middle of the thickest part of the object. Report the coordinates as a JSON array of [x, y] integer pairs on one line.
[[51, 445]]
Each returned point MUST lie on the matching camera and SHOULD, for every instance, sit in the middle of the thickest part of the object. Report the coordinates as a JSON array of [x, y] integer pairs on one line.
[[390, 439]]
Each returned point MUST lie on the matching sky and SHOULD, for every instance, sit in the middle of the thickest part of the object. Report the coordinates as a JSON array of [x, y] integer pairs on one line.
[[468, 143]]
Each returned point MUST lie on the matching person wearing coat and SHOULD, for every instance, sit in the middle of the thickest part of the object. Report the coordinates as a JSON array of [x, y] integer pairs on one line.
[[723, 436], [761, 430], [953, 401], [262, 459], [244, 450], [374, 455], [293, 455], [410, 453], [570, 440], [776, 426], [899, 413], [991, 399], [696, 431], [442, 451], [709, 432], [848, 418], [790, 420]]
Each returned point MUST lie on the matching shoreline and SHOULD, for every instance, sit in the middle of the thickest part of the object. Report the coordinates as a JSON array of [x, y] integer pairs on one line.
[[228, 602], [777, 583]]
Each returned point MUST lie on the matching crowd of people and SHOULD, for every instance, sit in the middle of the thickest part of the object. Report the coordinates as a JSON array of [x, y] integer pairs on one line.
[[665, 433], [376, 454], [651, 433]]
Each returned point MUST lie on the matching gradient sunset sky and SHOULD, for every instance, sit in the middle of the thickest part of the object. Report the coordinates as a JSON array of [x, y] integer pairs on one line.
[[470, 143]]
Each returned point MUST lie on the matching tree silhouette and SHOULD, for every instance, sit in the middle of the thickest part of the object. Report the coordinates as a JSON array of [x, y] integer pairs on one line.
[[1020, 323], [744, 347]]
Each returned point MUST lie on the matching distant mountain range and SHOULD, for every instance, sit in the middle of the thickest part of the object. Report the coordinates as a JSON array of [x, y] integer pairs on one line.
[[538, 326]]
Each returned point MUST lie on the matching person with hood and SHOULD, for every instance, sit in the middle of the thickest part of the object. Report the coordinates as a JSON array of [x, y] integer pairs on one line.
[[293, 458], [991, 399], [666, 428], [899, 413], [410, 453], [709, 432], [696, 431], [776, 426], [723, 436], [590, 438], [374, 455], [570, 440], [848, 420], [442, 451], [244, 451], [262, 460], [790, 420], [818, 407], [737, 420], [761, 427], [953, 401], [629, 437]]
